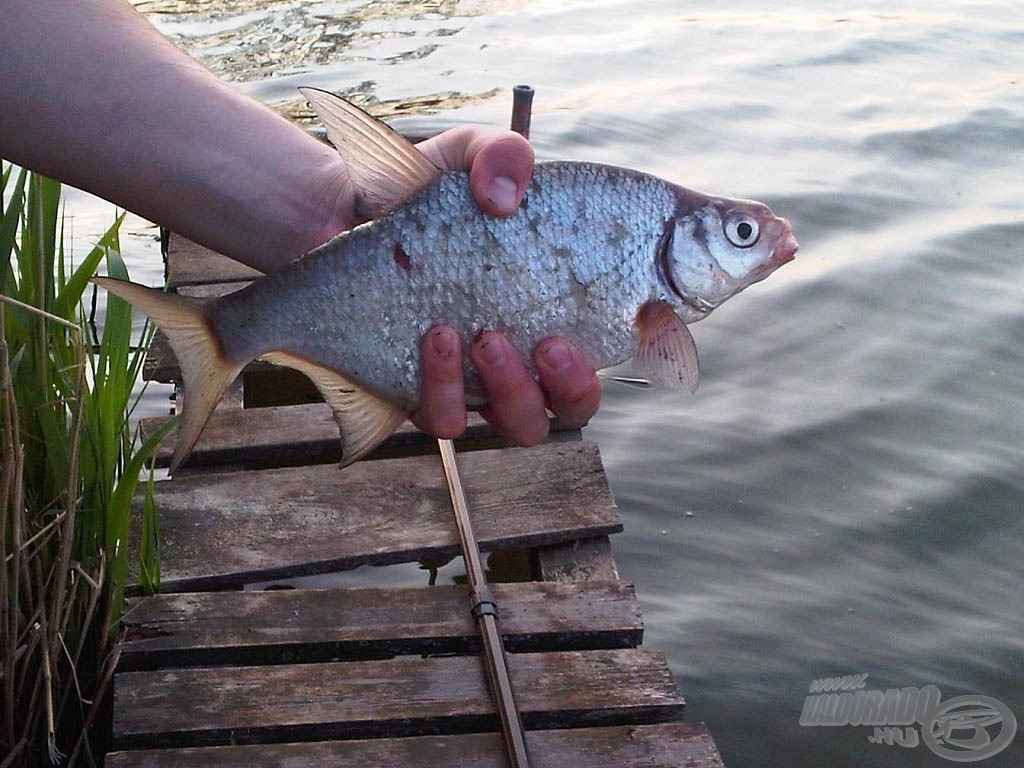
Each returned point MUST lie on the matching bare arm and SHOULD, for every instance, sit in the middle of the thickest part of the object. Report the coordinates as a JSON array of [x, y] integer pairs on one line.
[[108, 104], [93, 95]]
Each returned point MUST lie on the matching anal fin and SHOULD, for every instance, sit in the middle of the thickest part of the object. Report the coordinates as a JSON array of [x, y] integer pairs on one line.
[[667, 354], [364, 420]]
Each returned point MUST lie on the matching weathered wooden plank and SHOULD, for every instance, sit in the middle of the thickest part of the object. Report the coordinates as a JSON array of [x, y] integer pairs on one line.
[[259, 437], [223, 530], [191, 264], [664, 745], [296, 434], [205, 706], [282, 626], [577, 560]]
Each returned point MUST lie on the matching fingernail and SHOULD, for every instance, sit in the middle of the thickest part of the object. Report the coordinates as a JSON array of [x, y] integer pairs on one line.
[[558, 356], [491, 350], [502, 192], [442, 341]]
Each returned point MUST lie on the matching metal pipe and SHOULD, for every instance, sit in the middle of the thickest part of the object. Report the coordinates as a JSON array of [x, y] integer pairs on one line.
[[522, 109]]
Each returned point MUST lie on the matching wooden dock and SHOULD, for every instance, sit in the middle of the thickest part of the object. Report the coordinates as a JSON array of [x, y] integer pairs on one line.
[[214, 675]]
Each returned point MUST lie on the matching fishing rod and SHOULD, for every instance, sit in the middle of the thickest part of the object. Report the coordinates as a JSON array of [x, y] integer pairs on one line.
[[485, 612]]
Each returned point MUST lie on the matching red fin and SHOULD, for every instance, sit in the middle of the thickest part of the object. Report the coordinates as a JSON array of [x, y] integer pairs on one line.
[[666, 354]]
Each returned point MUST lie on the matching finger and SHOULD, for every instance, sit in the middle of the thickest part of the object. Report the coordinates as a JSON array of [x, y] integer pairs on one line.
[[572, 387], [516, 401], [500, 173], [500, 164], [442, 408]]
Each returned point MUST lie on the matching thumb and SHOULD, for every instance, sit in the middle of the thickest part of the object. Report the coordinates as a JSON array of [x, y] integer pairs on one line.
[[499, 163], [500, 172]]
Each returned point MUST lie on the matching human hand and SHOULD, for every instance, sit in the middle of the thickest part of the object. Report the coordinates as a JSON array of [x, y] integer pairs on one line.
[[500, 164]]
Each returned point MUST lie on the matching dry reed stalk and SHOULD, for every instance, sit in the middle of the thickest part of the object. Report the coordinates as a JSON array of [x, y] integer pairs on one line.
[[67, 479], [46, 602]]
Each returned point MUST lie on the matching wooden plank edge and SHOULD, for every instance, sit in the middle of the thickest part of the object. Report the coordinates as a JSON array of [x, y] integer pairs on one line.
[[662, 745], [317, 625], [237, 580], [577, 560], [261, 438], [188, 263], [401, 697]]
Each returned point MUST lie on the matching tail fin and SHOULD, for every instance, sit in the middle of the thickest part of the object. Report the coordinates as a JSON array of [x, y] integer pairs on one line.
[[206, 370]]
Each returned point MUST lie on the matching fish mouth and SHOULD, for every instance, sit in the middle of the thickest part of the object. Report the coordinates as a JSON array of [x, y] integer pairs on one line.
[[783, 253], [786, 252]]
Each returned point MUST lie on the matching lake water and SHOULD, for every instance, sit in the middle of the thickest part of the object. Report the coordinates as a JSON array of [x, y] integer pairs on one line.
[[844, 494]]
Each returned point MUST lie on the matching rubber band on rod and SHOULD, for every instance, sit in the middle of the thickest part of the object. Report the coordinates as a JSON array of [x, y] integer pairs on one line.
[[482, 602]]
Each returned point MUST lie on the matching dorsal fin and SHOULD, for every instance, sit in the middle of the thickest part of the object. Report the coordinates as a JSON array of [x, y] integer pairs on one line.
[[384, 166]]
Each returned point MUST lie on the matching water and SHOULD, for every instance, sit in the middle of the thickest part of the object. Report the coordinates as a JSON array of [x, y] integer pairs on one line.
[[845, 492]]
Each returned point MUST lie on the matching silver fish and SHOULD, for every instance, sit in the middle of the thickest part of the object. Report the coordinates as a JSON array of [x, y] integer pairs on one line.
[[614, 260]]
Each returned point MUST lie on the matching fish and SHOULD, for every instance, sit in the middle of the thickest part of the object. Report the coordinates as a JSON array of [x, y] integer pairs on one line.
[[617, 261]]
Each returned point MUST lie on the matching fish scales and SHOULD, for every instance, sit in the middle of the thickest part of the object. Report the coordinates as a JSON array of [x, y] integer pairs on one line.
[[576, 260], [616, 261]]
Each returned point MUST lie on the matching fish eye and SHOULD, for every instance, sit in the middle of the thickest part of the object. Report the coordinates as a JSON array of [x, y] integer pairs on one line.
[[741, 229]]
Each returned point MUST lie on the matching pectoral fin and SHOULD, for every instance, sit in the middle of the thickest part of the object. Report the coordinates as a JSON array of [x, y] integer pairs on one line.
[[384, 166], [364, 420], [666, 354]]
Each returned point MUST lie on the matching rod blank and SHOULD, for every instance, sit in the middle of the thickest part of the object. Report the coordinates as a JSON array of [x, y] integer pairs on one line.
[[485, 611]]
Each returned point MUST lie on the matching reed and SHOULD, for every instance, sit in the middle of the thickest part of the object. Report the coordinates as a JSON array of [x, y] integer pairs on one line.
[[70, 467]]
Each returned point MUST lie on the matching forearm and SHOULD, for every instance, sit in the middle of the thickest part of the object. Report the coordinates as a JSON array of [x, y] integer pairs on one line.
[[93, 95]]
